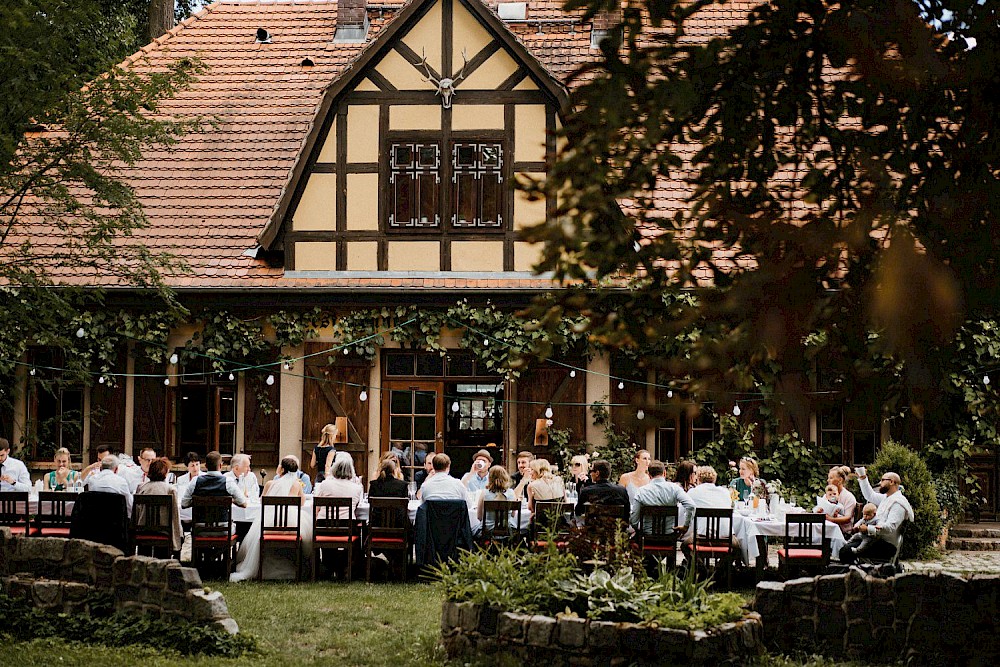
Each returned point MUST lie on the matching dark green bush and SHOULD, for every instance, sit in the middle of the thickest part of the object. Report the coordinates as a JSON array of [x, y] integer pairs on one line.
[[23, 622], [922, 533]]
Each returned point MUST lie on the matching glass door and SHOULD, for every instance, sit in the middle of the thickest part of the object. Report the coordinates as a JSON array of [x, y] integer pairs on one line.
[[412, 422]]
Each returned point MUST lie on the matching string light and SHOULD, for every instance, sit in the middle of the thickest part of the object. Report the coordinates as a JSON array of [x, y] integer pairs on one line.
[[670, 393], [572, 373], [288, 365], [80, 333], [736, 410], [346, 351], [621, 385], [364, 395], [454, 407], [166, 381], [548, 411], [101, 379], [231, 377], [269, 380], [174, 359], [32, 371], [986, 380], [640, 415]]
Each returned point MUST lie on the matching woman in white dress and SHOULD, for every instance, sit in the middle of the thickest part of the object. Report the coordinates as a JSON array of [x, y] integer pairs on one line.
[[638, 478], [285, 483]]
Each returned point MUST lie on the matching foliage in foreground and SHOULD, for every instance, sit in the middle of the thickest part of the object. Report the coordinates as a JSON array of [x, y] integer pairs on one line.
[[24, 622], [550, 583]]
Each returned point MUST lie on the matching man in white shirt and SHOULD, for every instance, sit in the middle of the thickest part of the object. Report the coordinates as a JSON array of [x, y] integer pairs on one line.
[[213, 483], [108, 481], [440, 485], [239, 471], [661, 493], [706, 493], [139, 475], [893, 511], [13, 473]]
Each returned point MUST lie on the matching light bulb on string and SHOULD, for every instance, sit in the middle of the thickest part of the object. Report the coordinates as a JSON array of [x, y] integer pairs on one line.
[[101, 379], [621, 385], [32, 371], [166, 381], [670, 393], [80, 333], [986, 380], [640, 415], [231, 377], [269, 380], [363, 396], [486, 342], [455, 407], [736, 410], [288, 365], [548, 412], [572, 374], [346, 351], [174, 359]]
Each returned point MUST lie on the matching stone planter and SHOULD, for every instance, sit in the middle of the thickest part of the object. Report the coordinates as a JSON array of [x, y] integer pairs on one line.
[[469, 630]]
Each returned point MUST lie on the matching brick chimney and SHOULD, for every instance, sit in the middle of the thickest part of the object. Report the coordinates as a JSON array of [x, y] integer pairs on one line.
[[352, 13], [607, 20]]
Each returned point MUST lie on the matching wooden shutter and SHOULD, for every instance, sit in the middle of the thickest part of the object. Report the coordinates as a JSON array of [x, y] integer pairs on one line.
[[262, 435], [150, 415], [107, 411], [545, 384], [331, 391]]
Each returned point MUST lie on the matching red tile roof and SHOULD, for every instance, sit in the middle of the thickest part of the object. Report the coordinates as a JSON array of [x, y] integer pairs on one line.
[[208, 198]]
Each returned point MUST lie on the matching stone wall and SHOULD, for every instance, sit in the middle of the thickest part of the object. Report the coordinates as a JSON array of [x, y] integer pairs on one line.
[[921, 618], [470, 630], [61, 575]]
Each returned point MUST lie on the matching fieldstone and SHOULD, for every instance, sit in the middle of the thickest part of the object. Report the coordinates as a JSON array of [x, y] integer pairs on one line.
[[156, 571], [602, 636], [207, 606], [769, 602], [830, 630], [910, 590], [228, 625], [124, 594], [856, 584], [860, 641], [105, 555], [832, 588], [671, 645], [802, 589], [19, 587], [539, 630], [449, 615], [151, 610], [122, 570], [637, 640], [704, 649], [183, 579], [131, 607], [75, 592], [140, 568], [47, 594], [572, 632], [468, 615], [38, 553], [79, 560], [176, 603], [151, 595], [510, 626], [488, 617]]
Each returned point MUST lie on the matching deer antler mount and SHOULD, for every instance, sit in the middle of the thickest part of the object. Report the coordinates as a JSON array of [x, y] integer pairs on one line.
[[445, 85]]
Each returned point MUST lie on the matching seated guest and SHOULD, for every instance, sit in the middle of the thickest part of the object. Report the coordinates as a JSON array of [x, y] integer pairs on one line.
[[307, 485], [475, 479], [602, 491], [139, 475], [496, 489], [389, 456], [239, 471], [838, 477], [422, 475], [341, 482], [102, 451], [661, 493], [108, 481], [193, 463], [893, 510], [749, 472], [213, 483], [706, 493], [389, 483], [13, 473], [344, 456], [157, 485], [579, 469], [861, 540], [441, 485], [63, 477], [686, 477], [640, 477], [831, 503], [524, 459], [544, 485]]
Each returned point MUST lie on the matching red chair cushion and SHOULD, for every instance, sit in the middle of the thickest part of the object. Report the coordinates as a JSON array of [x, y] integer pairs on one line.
[[388, 540], [215, 539], [152, 538], [281, 537], [659, 548], [800, 553], [336, 538], [51, 531], [542, 544], [702, 548], [17, 530]]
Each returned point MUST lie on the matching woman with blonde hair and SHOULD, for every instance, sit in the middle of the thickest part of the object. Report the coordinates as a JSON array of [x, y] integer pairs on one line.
[[323, 450], [748, 475], [545, 485], [390, 456], [497, 488], [63, 477], [838, 477]]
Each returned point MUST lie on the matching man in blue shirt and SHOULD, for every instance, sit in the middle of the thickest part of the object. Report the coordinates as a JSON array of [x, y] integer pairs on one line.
[[661, 493]]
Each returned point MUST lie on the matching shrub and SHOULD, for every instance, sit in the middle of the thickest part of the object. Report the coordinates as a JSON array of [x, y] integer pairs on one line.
[[922, 533], [800, 466]]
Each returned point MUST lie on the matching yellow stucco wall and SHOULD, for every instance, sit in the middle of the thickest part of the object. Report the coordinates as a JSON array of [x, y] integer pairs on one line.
[[414, 256], [315, 256], [317, 209], [526, 84], [425, 37], [477, 256], [362, 202], [528, 212], [525, 255], [477, 117], [415, 117], [470, 36], [329, 151], [367, 85], [362, 256], [401, 73], [529, 132], [491, 73], [362, 133]]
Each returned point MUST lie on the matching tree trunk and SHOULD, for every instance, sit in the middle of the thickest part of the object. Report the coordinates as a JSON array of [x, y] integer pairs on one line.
[[161, 17]]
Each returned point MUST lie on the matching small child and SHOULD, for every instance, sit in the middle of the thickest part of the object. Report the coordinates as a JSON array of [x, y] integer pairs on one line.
[[829, 504], [860, 540]]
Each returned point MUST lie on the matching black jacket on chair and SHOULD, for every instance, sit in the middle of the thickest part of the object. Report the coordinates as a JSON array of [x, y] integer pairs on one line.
[[101, 517], [442, 529]]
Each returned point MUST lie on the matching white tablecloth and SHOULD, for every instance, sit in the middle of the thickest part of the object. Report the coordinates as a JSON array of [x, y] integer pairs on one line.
[[772, 527], [33, 503]]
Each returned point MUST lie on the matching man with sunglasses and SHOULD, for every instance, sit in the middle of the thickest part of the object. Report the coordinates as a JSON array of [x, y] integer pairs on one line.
[[893, 511]]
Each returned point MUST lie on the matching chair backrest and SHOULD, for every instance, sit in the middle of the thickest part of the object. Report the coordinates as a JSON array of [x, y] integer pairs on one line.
[[333, 516], [549, 515], [713, 526], [657, 523], [100, 516], [211, 516], [387, 517], [52, 509], [153, 514], [505, 517], [14, 508], [280, 514], [603, 521], [801, 528]]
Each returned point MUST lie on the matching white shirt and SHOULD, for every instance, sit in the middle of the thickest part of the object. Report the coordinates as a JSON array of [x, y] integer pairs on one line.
[[134, 476], [710, 496], [16, 469], [248, 484], [442, 486], [108, 482]]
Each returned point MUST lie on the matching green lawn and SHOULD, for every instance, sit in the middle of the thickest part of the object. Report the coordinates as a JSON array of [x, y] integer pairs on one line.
[[304, 624]]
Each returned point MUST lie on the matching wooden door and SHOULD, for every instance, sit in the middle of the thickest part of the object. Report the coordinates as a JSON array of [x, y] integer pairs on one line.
[[412, 421], [262, 432], [333, 389], [550, 384], [107, 412], [151, 413]]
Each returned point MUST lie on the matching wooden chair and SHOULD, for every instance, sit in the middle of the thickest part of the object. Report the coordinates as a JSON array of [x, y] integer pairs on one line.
[[334, 527], [53, 519], [14, 512], [604, 521], [278, 530], [657, 534], [387, 531], [506, 519], [799, 548], [153, 523], [212, 529], [716, 545], [550, 515]]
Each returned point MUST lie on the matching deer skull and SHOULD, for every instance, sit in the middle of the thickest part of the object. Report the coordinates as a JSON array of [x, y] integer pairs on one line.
[[445, 85]]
